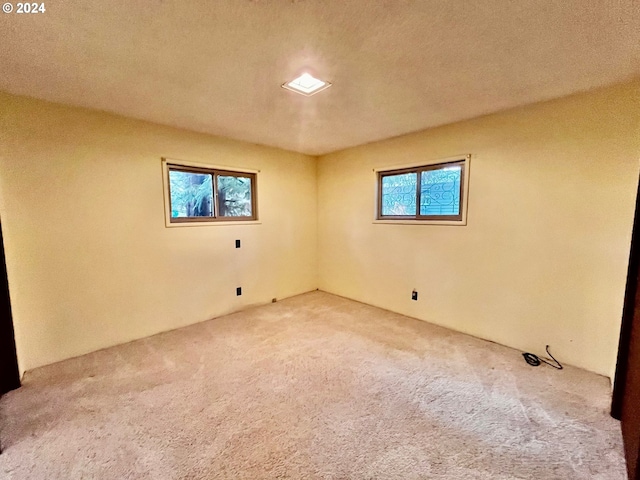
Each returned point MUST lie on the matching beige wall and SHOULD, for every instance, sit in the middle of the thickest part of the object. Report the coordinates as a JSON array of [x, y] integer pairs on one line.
[[543, 257], [90, 261], [542, 260]]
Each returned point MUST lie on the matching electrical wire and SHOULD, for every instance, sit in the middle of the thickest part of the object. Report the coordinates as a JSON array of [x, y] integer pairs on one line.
[[534, 360]]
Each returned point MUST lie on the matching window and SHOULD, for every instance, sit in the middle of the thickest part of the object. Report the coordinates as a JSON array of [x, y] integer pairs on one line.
[[209, 194], [429, 193]]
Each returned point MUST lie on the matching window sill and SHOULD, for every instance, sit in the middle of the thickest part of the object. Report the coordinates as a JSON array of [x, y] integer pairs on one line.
[[422, 222], [209, 224]]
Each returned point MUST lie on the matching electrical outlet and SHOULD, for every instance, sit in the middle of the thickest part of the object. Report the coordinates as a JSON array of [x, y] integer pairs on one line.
[[237, 243], [239, 291], [414, 295]]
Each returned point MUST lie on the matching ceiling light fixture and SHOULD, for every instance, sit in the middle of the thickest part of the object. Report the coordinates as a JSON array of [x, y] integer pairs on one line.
[[306, 85]]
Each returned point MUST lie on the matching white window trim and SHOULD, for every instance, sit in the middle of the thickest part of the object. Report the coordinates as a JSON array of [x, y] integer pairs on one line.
[[166, 162], [465, 191]]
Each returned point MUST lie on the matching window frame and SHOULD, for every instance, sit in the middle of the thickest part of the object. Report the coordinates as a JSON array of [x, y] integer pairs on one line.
[[418, 168], [215, 171]]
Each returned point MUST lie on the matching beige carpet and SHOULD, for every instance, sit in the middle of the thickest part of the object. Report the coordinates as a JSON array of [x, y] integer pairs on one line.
[[315, 386]]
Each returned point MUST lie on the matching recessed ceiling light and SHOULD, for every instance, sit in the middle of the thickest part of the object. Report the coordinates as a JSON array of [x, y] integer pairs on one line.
[[306, 85]]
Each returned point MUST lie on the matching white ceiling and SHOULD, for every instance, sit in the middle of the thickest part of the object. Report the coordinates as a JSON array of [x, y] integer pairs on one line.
[[397, 66]]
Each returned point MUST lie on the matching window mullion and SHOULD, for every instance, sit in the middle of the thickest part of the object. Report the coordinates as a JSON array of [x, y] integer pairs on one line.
[[214, 183], [418, 188]]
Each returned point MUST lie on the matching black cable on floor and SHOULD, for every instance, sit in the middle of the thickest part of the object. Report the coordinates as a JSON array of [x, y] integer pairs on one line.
[[534, 360]]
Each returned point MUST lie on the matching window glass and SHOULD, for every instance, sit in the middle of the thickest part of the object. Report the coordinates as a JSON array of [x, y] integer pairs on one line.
[[440, 191], [191, 194], [399, 194], [433, 192], [234, 196], [200, 194]]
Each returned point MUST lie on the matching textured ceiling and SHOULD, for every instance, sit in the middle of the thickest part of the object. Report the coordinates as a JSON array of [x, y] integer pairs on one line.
[[397, 66]]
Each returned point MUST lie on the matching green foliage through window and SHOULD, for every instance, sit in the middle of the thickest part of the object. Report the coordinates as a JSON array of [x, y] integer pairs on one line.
[[234, 196], [191, 194], [197, 194]]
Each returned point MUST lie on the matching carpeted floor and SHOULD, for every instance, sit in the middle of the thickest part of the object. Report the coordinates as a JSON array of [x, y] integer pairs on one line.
[[315, 386]]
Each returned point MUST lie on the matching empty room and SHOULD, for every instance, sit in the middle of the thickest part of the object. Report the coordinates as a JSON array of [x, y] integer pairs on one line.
[[320, 239]]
